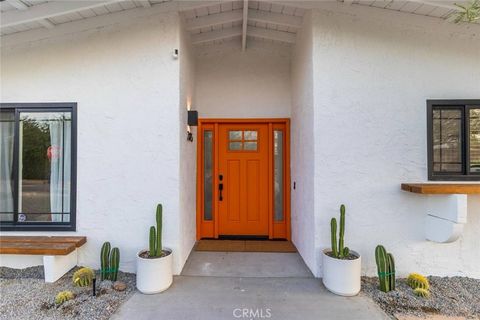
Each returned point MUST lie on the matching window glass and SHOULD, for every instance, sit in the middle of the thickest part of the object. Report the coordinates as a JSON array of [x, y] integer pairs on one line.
[[242, 140], [250, 135], [250, 146], [235, 146], [278, 174], [44, 167], [208, 174], [235, 135], [7, 130], [474, 140], [447, 140]]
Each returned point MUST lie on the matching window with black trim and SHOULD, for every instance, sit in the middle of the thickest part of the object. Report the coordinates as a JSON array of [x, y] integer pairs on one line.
[[37, 166], [453, 139]]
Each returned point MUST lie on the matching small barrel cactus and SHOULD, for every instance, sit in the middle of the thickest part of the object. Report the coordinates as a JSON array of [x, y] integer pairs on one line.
[[64, 296], [83, 277], [420, 292], [416, 280]]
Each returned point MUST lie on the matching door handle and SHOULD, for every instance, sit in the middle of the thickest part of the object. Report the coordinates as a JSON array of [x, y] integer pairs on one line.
[[220, 187]]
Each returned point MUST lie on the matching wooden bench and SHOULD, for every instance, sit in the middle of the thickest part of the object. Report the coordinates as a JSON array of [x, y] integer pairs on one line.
[[59, 253]]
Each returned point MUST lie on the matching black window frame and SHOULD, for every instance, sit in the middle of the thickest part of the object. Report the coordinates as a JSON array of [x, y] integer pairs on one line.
[[464, 106], [44, 107]]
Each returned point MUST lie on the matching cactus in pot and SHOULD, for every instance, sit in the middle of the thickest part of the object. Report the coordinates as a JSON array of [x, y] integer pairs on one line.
[[154, 266], [155, 240], [341, 251], [341, 266]]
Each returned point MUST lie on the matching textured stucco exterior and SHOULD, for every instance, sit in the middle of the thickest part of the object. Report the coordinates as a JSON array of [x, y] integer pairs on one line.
[[126, 84], [354, 86], [373, 72]]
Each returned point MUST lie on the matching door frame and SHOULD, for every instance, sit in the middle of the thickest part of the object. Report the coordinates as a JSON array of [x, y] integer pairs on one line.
[[276, 229]]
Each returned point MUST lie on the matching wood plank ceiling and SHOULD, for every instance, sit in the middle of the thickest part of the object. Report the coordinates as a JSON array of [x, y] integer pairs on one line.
[[271, 21], [241, 19]]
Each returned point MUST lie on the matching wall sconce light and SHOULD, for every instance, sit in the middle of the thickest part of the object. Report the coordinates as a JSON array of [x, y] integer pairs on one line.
[[192, 121]]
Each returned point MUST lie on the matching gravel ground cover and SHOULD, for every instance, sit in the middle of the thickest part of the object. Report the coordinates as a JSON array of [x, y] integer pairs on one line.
[[25, 295], [450, 296]]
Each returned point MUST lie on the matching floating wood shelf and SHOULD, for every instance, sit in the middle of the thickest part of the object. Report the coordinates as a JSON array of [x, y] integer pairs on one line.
[[441, 188]]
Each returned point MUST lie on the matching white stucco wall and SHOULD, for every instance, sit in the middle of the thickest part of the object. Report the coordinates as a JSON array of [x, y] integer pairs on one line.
[[250, 84], [188, 178], [302, 146], [373, 71], [126, 84]]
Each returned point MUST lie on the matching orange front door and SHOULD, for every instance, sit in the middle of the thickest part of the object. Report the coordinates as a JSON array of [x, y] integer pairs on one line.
[[243, 179]]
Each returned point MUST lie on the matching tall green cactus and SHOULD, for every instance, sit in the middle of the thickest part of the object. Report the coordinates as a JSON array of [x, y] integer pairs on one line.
[[155, 237], [342, 232], [341, 251], [104, 260], [158, 245], [333, 235], [151, 248], [385, 268], [114, 263]]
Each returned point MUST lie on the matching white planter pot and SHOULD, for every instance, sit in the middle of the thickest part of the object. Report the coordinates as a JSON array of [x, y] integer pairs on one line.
[[342, 277], [154, 275]]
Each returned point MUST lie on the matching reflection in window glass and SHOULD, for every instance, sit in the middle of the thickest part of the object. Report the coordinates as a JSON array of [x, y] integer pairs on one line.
[[7, 130], [235, 135], [44, 166], [474, 140], [250, 145], [208, 174], [278, 174], [234, 146], [447, 140], [250, 135]]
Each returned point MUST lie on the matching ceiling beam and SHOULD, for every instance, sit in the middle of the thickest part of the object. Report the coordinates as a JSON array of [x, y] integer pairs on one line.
[[275, 18], [47, 10], [437, 4], [214, 19], [271, 34], [216, 35], [244, 24], [19, 5], [145, 3]]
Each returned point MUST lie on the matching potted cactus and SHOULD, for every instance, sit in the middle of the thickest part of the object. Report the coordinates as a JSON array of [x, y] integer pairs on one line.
[[154, 266], [341, 266]]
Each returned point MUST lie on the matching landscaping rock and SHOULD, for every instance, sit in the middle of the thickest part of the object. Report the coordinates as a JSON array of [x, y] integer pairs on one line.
[[449, 296], [119, 286], [26, 296]]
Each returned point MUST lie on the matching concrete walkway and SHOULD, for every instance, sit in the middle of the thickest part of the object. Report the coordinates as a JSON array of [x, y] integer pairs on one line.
[[292, 294]]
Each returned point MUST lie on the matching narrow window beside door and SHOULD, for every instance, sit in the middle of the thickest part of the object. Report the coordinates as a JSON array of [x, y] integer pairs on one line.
[[208, 174], [278, 174]]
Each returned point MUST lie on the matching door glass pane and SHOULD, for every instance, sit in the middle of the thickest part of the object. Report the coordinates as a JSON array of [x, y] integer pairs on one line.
[[44, 166], [7, 127], [447, 140], [250, 135], [250, 145], [235, 135], [474, 140], [208, 174], [235, 146], [278, 174]]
